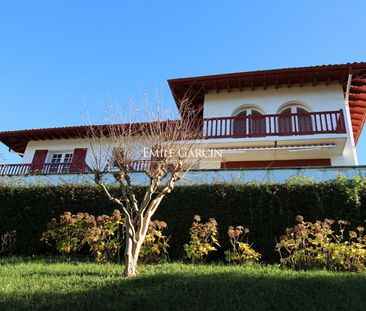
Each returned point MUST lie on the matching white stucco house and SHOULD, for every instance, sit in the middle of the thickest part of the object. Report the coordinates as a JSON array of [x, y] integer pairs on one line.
[[308, 117]]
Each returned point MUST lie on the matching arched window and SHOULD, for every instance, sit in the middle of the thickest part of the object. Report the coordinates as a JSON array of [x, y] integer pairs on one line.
[[249, 122], [295, 118]]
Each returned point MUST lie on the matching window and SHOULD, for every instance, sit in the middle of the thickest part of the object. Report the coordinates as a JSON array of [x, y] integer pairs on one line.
[[285, 121], [68, 158], [294, 119], [61, 157], [56, 159], [249, 122], [304, 121]]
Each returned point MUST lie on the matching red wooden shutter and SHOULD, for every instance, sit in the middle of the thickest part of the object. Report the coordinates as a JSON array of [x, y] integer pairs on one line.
[[38, 160], [78, 164]]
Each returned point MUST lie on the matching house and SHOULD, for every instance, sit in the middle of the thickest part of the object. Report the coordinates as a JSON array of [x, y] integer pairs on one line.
[[283, 118]]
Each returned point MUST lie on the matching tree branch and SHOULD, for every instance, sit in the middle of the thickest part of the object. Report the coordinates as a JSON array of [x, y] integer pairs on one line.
[[123, 208]]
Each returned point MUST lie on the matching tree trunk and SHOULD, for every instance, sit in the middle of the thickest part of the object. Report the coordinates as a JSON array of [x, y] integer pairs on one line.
[[133, 248], [130, 268]]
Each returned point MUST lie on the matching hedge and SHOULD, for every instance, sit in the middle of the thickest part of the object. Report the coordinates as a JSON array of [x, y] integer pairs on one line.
[[267, 209]]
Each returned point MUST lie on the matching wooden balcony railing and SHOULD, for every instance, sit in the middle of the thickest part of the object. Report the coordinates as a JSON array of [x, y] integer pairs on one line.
[[44, 169], [60, 168], [325, 122]]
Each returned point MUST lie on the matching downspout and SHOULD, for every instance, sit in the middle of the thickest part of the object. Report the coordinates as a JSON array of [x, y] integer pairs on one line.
[[348, 117]]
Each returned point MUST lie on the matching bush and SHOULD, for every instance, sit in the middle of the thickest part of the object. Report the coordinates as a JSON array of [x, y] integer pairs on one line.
[[241, 252], [155, 246], [67, 234], [204, 239], [106, 237], [318, 245], [103, 234], [266, 209]]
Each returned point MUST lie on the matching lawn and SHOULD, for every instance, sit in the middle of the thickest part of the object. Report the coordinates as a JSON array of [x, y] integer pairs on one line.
[[53, 284]]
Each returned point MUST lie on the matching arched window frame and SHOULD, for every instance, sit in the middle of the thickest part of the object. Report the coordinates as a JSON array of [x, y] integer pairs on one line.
[[250, 124], [247, 108], [295, 122], [293, 106]]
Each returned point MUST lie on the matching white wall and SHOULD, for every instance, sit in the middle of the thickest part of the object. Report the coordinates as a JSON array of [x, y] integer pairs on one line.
[[271, 101], [54, 145], [318, 98], [96, 149], [204, 177]]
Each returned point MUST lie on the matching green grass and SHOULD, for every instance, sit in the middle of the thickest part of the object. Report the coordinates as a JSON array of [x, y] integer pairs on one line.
[[53, 284]]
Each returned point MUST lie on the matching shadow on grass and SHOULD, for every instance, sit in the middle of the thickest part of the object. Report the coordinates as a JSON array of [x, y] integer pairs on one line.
[[217, 291]]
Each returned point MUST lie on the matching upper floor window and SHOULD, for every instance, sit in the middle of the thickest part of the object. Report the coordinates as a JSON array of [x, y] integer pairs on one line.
[[295, 118], [59, 157], [249, 121]]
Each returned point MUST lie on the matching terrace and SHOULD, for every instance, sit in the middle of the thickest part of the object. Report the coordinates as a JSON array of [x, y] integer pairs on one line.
[[251, 126]]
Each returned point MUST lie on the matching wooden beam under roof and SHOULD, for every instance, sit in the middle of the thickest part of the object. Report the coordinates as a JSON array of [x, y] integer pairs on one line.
[[358, 103], [358, 89], [302, 81], [359, 80], [252, 84], [315, 80], [289, 81], [357, 96], [277, 83], [264, 83], [357, 116], [357, 110], [327, 81]]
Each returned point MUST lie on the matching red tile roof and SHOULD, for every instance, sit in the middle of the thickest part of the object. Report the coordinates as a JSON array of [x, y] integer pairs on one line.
[[18, 140]]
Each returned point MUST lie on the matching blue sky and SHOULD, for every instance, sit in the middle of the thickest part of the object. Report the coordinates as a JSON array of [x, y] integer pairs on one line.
[[59, 59]]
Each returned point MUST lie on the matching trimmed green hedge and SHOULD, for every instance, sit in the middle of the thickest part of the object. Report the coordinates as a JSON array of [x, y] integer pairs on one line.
[[266, 209]]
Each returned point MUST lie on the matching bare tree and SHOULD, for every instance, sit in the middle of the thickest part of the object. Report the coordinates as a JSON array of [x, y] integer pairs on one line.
[[165, 150]]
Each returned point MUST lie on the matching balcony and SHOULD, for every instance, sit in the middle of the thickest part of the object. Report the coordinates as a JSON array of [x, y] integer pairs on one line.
[[291, 125], [44, 169], [310, 123], [60, 168]]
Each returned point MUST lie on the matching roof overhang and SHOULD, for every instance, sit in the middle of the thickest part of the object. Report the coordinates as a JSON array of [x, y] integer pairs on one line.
[[18, 140], [195, 88]]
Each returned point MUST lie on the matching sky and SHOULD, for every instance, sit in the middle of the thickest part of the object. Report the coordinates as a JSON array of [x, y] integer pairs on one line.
[[65, 62]]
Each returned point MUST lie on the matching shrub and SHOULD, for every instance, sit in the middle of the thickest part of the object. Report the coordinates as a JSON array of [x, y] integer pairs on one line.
[[105, 238], [265, 208], [103, 234], [204, 239], [318, 245], [155, 246], [67, 234], [241, 252]]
